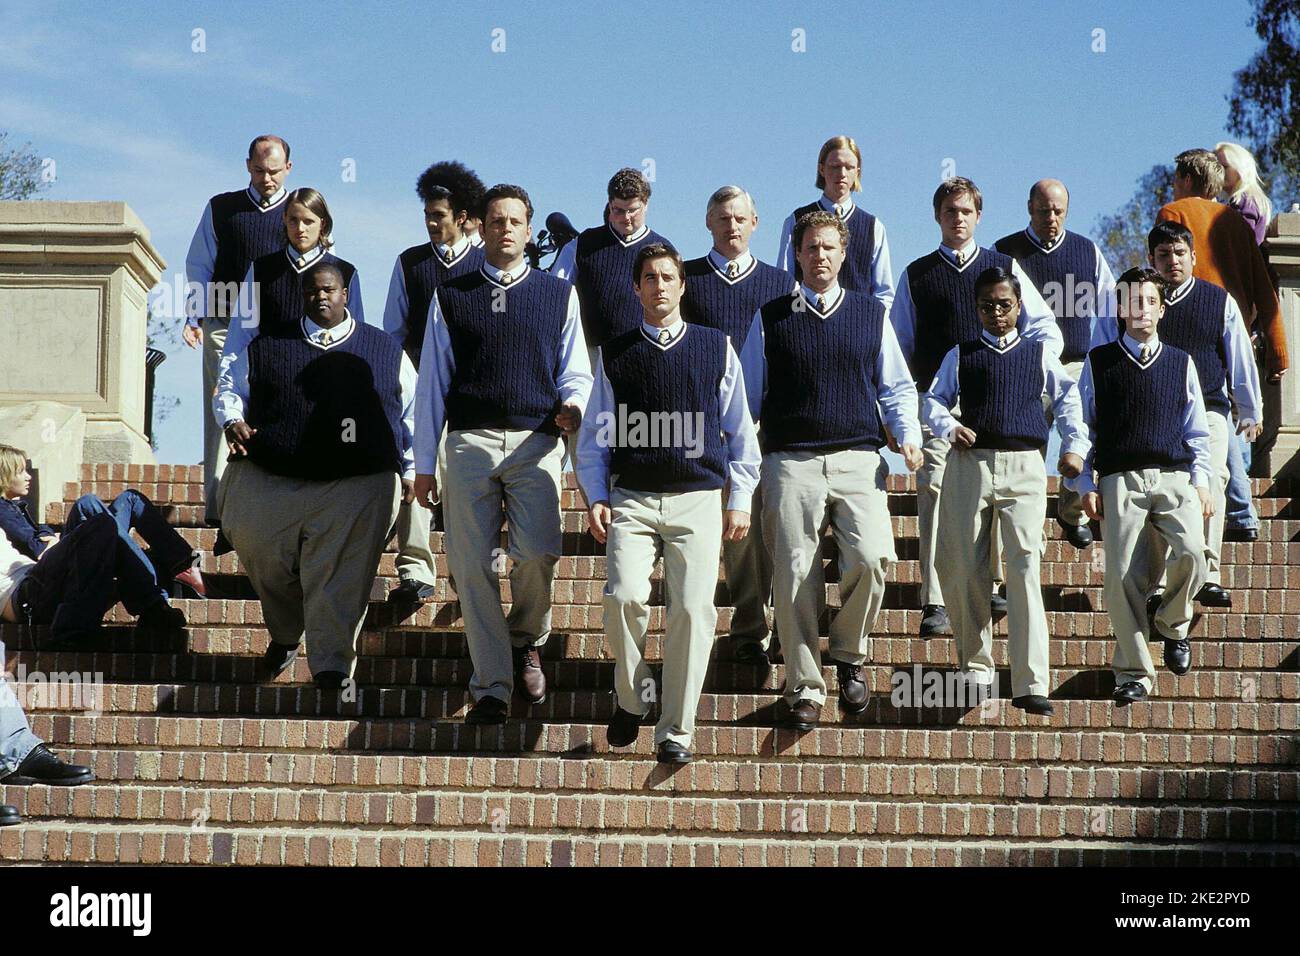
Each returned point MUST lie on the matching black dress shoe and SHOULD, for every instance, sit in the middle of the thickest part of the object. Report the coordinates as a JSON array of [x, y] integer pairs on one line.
[[1212, 595], [161, 617], [803, 715], [1241, 534], [751, 652], [9, 815], [411, 591], [853, 688], [997, 604], [222, 545], [330, 680], [489, 710], [1129, 692], [1079, 535], [529, 677], [672, 752], [934, 620], [623, 727], [1034, 704], [277, 659], [42, 766], [1178, 655], [1153, 608]]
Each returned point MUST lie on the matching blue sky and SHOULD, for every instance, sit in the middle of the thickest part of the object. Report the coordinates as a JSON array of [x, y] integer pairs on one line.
[[710, 94]]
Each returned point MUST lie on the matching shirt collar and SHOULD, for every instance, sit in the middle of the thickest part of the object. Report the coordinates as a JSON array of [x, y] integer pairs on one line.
[[1003, 343], [632, 239], [456, 248], [302, 260], [1176, 295], [265, 204], [1134, 347], [828, 206], [743, 262], [1042, 243], [476, 240], [499, 276], [316, 334], [667, 335], [832, 296], [968, 252]]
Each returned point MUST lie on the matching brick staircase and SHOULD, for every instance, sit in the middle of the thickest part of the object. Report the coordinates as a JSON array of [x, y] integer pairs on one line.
[[199, 763]]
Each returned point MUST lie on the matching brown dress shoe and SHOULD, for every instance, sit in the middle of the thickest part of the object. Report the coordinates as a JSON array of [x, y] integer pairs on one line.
[[803, 715], [528, 675], [853, 687]]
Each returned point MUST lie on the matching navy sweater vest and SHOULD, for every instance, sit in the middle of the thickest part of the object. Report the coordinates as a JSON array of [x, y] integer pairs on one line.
[[944, 301], [821, 376], [1194, 324], [711, 300], [244, 234], [855, 274], [672, 396], [324, 414], [423, 270], [1002, 394], [1139, 410], [1061, 277], [506, 345], [609, 303], [279, 289]]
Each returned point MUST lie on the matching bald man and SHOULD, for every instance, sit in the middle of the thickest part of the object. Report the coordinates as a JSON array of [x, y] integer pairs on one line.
[[235, 228], [1072, 276]]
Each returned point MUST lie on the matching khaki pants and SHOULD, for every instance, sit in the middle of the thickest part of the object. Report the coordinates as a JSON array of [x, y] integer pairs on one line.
[[1221, 430], [687, 526], [1069, 505], [484, 468], [984, 488], [749, 579], [414, 553], [1130, 500], [929, 486], [311, 549], [214, 440], [802, 493]]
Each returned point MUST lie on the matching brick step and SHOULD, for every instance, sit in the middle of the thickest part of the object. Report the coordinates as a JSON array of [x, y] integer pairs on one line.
[[590, 704], [1202, 683], [718, 776], [1274, 611], [228, 574], [632, 814], [578, 539], [1263, 641], [112, 478], [81, 842], [1154, 732]]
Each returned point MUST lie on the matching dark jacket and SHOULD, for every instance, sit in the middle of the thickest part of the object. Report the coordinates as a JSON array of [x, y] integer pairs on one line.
[[24, 533]]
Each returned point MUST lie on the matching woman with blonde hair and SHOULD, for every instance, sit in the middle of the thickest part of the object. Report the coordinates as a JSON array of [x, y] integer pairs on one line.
[[866, 266], [1241, 183]]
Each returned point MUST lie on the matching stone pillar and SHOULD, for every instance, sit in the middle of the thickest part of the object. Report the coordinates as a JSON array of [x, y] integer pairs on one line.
[[1282, 403], [74, 280]]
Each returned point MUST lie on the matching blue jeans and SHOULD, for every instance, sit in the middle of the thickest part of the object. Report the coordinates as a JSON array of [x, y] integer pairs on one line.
[[168, 553], [16, 738], [1240, 508]]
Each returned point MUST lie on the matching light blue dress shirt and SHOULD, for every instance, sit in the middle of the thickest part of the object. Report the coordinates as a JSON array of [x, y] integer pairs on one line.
[[894, 386], [438, 365], [945, 392], [1196, 431], [743, 456]]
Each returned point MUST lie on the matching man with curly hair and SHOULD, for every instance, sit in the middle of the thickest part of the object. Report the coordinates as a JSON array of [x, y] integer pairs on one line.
[[451, 193]]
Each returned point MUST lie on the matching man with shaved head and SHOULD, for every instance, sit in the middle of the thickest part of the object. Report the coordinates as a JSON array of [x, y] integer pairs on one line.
[[235, 228], [1075, 281]]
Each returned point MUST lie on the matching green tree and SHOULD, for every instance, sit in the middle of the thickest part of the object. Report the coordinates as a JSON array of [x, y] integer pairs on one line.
[[1264, 107], [20, 170], [1122, 235]]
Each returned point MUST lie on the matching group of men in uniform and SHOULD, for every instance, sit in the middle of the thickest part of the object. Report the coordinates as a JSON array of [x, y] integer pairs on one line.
[[724, 409]]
